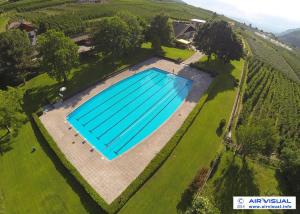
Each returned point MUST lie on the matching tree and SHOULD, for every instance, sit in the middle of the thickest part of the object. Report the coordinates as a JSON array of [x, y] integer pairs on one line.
[[202, 205], [160, 31], [290, 166], [112, 37], [136, 29], [59, 54], [258, 138], [11, 116], [15, 55], [217, 38]]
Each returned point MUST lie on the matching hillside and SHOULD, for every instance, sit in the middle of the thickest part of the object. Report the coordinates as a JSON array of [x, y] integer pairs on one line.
[[291, 37], [72, 17], [287, 62]]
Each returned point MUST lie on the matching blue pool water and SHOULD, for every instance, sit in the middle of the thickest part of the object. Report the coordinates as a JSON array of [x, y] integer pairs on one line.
[[118, 118]]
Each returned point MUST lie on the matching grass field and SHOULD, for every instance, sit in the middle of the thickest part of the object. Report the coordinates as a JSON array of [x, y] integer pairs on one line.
[[37, 182], [33, 183], [280, 58], [3, 22], [162, 193], [234, 178], [145, 8], [173, 53]]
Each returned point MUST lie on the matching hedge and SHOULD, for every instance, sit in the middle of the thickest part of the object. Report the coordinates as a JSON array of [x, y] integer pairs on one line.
[[53, 146], [151, 168]]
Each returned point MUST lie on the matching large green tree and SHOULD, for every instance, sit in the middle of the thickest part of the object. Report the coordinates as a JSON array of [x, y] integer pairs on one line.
[[257, 138], [217, 37], [136, 29], [160, 31], [112, 37], [59, 54], [290, 166], [15, 56], [11, 114]]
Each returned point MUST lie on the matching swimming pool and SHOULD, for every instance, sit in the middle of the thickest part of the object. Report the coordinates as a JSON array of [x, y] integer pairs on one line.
[[120, 117]]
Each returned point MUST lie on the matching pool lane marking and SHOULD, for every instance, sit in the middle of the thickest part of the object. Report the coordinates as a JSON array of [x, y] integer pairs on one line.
[[96, 116], [145, 113], [119, 92], [130, 102], [117, 151], [149, 97]]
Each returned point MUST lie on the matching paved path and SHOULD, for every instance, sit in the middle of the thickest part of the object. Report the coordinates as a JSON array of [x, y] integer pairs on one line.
[[194, 58], [110, 178]]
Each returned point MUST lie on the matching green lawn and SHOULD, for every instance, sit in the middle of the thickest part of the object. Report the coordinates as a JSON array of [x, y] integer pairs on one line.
[[3, 22], [37, 182], [33, 183], [214, 67], [162, 193], [233, 178], [173, 53]]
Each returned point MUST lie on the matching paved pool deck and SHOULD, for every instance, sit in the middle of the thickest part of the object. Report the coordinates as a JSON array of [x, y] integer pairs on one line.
[[111, 178]]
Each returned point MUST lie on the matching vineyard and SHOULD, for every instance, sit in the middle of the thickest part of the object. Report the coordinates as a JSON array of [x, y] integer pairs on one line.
[[72, 17], [285, 61], [270, 94], [29, 5]]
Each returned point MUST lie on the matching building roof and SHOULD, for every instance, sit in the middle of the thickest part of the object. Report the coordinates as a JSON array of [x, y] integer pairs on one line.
[[198, 20], [182, 27], [22, 25], [183, 41]]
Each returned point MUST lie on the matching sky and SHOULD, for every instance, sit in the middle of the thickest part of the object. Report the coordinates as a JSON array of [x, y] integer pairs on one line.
[[270, 15]]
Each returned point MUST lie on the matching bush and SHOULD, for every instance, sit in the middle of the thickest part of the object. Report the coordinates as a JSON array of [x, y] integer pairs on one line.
[[202, 205]]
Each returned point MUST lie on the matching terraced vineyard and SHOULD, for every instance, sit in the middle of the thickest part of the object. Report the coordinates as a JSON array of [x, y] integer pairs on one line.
[[285, 61], [29, 5], [270, 94]]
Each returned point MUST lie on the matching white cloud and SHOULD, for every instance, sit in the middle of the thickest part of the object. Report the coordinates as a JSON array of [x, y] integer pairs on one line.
[[273, 15], [288, 9]]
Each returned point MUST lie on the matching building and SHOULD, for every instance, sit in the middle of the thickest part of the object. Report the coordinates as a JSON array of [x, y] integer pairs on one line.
[[185, 31], [84, 42], [27, 27]]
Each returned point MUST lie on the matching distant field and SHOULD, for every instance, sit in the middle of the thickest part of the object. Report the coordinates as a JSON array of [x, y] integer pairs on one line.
[[29, 5], [146, 8], [283, 60]]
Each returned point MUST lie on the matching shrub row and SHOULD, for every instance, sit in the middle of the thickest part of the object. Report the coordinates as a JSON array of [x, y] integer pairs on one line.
[[198, 65], [53, 146], [152, 167]]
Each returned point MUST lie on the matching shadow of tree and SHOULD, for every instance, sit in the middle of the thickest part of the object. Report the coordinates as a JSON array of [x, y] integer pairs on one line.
[[90, 205], [219, 131], [185, 201], [90, 71], [286, 190], [5, 144], [237, 179], [224, 79]]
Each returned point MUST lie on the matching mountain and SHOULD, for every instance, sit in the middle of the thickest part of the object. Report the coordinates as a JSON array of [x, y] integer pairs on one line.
[[291, 36]]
